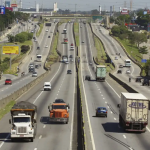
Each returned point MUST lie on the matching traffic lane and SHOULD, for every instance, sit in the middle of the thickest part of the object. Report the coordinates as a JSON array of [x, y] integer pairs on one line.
[[112, 106]]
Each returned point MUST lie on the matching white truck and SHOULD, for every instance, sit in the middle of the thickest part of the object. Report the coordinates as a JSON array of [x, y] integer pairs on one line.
[[133, 112], [47, 86], [65, 58], [23, 121]]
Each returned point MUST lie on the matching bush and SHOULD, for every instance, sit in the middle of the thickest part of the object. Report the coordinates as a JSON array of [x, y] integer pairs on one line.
[[25, 48], [6, 59], [22, 37]]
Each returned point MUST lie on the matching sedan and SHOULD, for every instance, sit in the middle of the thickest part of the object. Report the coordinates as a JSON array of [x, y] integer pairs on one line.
[[48, 36], [34, 74], [66, 62], [8, 81], [69, 72], [101, 111], [116, 58], [46, 30], [128, 72], [82, 41], [46, 46]]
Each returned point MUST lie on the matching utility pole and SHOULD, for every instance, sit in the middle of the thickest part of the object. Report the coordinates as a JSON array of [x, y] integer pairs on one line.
[[124, 4], [130, 5]]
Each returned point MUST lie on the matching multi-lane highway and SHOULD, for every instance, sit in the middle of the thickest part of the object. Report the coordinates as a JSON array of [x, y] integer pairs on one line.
[[112, 47], [105, 132], [19, 82], [55, 136]]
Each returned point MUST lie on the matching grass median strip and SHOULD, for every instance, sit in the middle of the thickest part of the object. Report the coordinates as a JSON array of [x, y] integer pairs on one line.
[[40, 30], [53, 57], [6, 109], [101, 55], [76, 31]]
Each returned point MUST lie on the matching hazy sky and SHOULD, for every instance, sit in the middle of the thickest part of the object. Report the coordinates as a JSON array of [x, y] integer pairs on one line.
[[87, 4]]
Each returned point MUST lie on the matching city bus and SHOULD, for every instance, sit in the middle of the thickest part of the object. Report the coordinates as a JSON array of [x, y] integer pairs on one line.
[[127, 63], [65, 31]]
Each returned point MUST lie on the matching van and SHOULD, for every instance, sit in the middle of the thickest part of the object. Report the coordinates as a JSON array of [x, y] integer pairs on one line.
[[47, 86]]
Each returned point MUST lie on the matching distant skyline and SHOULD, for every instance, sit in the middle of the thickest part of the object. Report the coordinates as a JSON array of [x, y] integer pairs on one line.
[[85, 5]]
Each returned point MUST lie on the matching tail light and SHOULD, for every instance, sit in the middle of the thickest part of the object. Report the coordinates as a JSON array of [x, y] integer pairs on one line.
[[127, 123], [145, 123], [106, 111]]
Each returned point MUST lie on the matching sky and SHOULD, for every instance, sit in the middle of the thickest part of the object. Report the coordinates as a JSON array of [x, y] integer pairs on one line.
[[85, 5]]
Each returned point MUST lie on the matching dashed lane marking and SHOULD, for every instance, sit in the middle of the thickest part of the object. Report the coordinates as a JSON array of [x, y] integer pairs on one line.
[[124, 136], [114, 118], [40, 136], [44, 126]]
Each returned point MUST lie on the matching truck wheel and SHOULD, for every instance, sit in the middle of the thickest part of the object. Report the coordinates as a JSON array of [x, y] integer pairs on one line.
[[12, 140], [31, 139]]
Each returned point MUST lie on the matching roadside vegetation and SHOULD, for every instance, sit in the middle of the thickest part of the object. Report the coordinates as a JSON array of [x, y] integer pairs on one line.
[[76, 31], [131, 40], [101, 58], [6, 109], [25, 45], [40, 30], [53, 57]]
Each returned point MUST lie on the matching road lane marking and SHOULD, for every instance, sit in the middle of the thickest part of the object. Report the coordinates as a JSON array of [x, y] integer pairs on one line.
[[103, 98], [35, 149], [106, 102], [40, 137], [4, 140], [108, 106], [37, 97], [44, 126], [114, 118], [148, 129], [111, 112], [124, 136], [101, 95]]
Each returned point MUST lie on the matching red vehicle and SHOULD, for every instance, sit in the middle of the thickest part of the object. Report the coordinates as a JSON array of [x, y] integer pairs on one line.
[[8, 81], [65, 40], [71, 44]]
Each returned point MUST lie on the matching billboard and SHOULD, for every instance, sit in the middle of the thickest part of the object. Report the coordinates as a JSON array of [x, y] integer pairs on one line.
[[9, 8], [7, 3], [124, 11], [13, 5], [10, 49], [2, 10]]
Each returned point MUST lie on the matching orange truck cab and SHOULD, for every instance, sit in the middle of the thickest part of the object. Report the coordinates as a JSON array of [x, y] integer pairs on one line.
[[59, 112]]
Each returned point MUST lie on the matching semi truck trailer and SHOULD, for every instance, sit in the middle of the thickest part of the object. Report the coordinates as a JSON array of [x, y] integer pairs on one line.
[[100, 73], [133, 112], [23, 120]]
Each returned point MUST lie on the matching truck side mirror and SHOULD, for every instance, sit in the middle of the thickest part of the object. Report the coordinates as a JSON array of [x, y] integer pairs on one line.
[[118, 105], [9, 121]]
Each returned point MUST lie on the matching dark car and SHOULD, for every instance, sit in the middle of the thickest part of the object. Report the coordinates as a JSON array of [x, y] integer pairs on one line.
[[38, 47], [101, 111], [37, 66], [119, 71], [145, 82], [71, 56], [87, 77], [48, 36], [120, 66], [138, 79], [34, 38], [31, 70], [69, 72], [8, 81], [59, 101]]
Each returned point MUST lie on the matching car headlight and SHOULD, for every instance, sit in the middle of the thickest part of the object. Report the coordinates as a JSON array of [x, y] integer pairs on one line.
[[65, 115]]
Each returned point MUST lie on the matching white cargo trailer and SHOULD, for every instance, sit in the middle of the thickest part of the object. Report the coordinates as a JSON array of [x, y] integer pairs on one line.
[[133, 113]]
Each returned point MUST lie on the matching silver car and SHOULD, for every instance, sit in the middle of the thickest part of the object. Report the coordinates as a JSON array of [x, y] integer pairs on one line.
[[34, 74]]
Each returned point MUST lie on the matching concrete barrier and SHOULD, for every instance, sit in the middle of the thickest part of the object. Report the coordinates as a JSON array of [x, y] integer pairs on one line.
[[18, 93]]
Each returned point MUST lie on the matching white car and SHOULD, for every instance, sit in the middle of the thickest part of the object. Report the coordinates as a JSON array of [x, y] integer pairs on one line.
[[66, 62], [35, 40], [128, 72], [116, 58], [47, 86], [32, 31], [34, 74], [46, 46], [46, 30], [71, 47]]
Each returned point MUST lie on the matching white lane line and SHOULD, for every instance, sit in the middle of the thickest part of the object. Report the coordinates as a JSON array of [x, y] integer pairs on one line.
[[35, 149], [101, 95], [112, 89], [103, 98], [111, 112], [37, 97], [124, 136], [44, 126], [98, 89], [148, 129], [114, 118], [91, 132], [4, 140], [2, 90], [40, 136], [106, 102]]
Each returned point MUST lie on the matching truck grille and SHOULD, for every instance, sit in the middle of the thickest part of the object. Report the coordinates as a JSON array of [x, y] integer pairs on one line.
[[58, 114], [22, 130]]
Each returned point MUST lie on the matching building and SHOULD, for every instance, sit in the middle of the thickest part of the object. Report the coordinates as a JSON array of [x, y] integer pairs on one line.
[[55, 7], [7, 3], [37, 7]]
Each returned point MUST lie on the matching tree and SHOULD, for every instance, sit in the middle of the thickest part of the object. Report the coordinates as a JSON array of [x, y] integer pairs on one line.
[[146, 67], [115, 30], [143, 50], [11, 38], [24, 48], [139, 38], [95, 12]]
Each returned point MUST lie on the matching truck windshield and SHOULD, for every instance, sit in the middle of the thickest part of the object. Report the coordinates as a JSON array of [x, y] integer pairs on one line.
[[39, 56], [59, 106], [21, 119]]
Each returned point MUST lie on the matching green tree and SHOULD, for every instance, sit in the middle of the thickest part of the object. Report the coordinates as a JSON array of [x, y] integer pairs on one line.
[[11, 38], [139, 38], [95, 12], [115, 30], [146, 67], [24, 48], [143, 50]]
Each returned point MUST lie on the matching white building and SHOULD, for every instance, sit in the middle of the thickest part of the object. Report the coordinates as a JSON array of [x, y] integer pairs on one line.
[[37, 7], [55, 7]]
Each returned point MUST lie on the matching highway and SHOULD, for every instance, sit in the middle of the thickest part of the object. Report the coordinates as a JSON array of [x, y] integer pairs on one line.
[[105, 132], [54, 136], [112, 47], [21, 81]]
